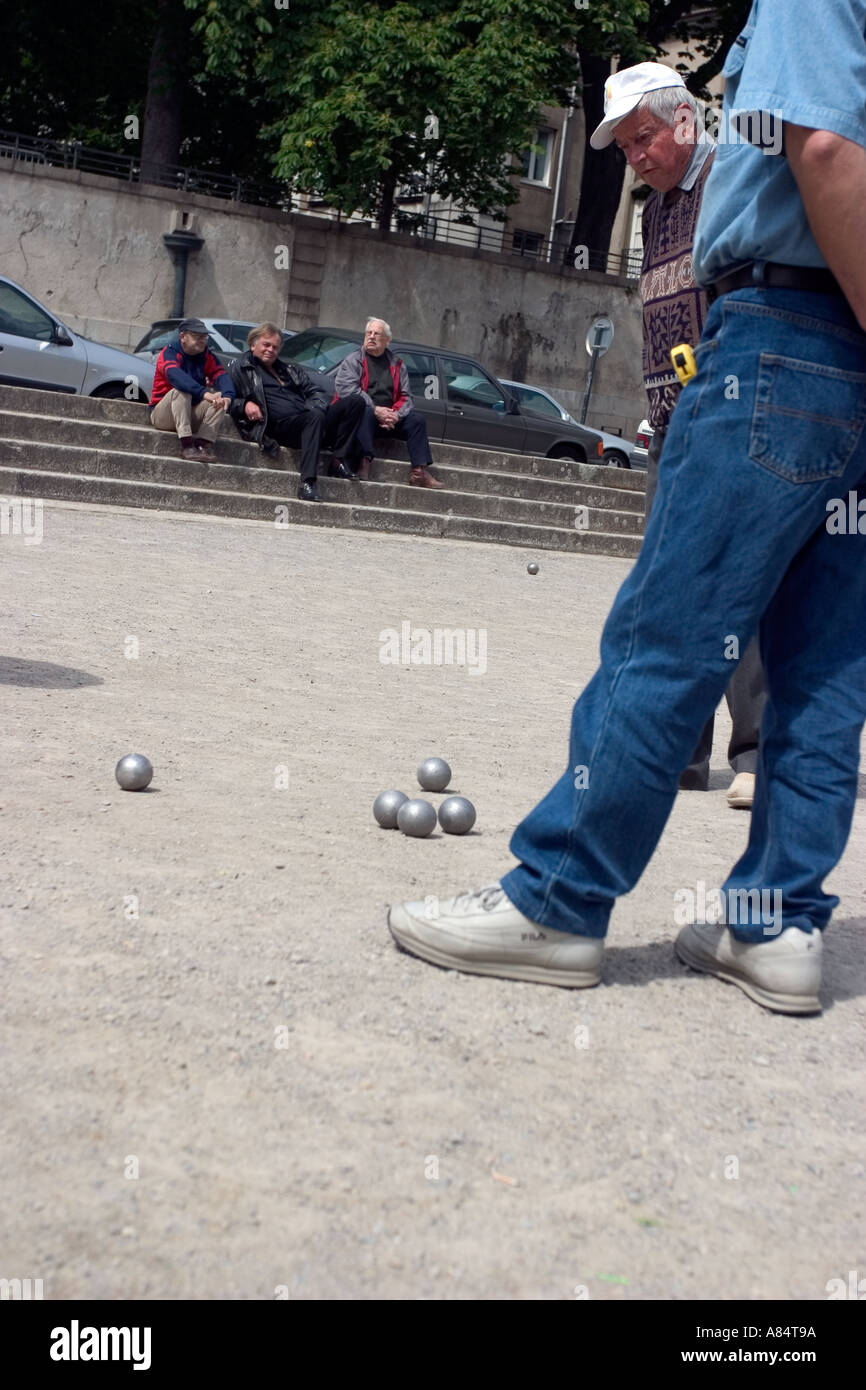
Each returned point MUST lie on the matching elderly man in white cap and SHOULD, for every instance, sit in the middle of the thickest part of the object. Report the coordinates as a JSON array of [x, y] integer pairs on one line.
[[654, 119]]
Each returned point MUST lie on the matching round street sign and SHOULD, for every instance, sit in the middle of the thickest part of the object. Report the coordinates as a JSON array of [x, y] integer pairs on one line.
[[600, 336]]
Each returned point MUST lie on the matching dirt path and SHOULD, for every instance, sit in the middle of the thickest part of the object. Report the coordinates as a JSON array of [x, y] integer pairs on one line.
[[201, 989]]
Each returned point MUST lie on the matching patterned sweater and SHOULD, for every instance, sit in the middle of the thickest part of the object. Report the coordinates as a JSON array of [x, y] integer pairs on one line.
[[674, 307]]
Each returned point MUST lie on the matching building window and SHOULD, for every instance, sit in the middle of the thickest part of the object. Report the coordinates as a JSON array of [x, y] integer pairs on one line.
[[526, 243], [537, 157]]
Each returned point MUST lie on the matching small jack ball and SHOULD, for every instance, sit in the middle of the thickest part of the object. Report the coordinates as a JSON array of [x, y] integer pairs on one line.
[[134, 772], [532, 568]]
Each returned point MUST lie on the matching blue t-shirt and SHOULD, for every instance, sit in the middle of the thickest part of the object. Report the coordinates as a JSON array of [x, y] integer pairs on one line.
[[802, 61]]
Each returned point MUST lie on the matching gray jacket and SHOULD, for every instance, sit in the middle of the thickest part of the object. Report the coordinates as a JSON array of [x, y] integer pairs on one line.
[[353, 378]]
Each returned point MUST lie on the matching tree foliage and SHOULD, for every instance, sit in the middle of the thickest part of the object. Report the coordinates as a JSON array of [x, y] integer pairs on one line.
[[357, 84]]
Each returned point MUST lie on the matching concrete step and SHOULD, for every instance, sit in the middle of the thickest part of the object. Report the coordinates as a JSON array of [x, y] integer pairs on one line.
[[46, 430], [172, 471], [75, 448], [112, 491], [21, 401]]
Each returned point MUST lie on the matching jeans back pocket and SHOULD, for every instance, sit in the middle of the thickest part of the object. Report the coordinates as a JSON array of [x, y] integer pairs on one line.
[[808, 418]]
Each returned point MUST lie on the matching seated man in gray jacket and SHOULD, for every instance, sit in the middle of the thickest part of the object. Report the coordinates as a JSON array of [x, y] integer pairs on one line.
[[374, 375]]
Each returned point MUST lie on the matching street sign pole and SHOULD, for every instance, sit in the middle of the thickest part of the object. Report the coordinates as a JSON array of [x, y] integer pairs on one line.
[[598, 340], [590, 374]]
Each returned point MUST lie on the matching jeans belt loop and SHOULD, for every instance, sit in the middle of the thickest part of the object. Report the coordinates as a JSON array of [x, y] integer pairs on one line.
[[759, 273]]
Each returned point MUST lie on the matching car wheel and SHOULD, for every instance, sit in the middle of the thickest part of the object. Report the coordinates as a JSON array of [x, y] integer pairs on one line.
[[565, 452], [615, 459], [116, 391]]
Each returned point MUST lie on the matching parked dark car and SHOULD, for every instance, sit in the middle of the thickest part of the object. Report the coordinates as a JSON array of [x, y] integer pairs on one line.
[[460, 400]]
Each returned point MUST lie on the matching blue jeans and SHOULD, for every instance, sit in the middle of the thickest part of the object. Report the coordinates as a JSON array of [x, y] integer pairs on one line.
[[771, 429]]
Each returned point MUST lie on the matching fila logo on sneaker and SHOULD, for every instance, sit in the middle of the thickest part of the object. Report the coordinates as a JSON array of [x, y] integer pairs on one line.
[[532, 936]]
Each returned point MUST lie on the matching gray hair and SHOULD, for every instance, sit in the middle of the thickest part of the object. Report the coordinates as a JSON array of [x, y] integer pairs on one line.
[[663, 104], [386, 326]]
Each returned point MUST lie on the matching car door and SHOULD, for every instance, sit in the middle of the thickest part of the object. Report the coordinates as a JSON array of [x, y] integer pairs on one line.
[[476, 411], [28, 356], [540, 416], [426, 388]]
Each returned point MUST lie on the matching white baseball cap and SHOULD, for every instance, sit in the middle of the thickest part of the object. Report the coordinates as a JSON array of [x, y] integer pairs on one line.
[[622, 92]]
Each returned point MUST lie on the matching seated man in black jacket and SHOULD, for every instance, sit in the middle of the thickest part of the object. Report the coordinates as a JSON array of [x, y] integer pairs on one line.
[[280, 403]]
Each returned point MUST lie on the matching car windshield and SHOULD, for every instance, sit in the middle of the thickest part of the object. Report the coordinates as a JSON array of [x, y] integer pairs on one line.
[[160, 337], [535, 401], [321, 351], [157, 336]]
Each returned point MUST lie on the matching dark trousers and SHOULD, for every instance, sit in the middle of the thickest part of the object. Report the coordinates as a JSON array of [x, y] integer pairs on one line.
[[412, 428], [336, 428], [746, 694]]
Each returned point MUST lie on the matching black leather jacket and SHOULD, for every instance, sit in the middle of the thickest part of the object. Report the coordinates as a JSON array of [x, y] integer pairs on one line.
[[247, 375]]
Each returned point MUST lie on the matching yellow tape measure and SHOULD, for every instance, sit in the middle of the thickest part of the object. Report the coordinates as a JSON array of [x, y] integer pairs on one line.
[[684, 362]]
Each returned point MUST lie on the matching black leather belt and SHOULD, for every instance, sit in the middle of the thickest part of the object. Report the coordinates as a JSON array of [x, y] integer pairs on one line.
[[770, 275]]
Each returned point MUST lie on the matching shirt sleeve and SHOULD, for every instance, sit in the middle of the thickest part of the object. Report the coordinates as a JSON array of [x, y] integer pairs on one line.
[[180, 380], [219, 376], [805, 63]]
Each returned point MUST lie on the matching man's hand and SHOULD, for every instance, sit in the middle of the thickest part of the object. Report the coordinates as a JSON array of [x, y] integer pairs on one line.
[[831, 175], [252, 411], [386, 417], [215, 398]]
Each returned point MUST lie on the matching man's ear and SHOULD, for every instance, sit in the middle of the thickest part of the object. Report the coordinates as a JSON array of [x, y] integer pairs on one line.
[[684, 124]]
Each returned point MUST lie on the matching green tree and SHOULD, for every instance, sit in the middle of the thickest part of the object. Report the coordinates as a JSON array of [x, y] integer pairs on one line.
[[358, 84]]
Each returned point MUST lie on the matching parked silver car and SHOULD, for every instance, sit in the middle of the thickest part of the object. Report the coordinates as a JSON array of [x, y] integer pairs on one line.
[[37, 349], [614, 450]]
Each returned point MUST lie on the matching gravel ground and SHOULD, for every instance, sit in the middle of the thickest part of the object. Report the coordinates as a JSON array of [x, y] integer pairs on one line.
[[220, 1078]]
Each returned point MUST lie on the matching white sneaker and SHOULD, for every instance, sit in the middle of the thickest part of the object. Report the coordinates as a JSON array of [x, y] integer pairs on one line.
[[783, 974], [741, 792], [484, 934]]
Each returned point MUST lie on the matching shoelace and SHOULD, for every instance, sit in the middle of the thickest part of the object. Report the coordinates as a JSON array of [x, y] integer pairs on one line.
[[486, 898]]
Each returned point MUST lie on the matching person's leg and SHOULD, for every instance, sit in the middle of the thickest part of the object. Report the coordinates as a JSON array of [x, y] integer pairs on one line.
[[654, 453], [695, 777], [308, 429], [699, 579], [413, 428], [174, 413], [342, 423], [207, 420], [746, 696], [365, 440], [810, 740]]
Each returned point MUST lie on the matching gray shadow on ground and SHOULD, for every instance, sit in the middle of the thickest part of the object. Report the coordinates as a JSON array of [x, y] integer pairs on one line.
[[15, 670], [721, 779], [843, 974]]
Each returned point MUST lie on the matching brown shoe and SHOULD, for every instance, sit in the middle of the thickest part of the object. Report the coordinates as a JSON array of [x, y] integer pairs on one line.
[[419, 477], [205, 451], [190, 453], [364, 468]]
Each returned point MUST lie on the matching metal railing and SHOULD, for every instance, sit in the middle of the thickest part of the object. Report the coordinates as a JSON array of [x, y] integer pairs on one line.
[[512, 241], [508, 242]]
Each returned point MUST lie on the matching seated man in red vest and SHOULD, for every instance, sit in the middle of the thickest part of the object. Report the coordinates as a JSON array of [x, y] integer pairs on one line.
[[191, 392], [381, 379]]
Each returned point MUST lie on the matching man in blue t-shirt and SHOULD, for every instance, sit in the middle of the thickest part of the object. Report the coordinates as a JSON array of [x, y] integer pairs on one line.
[[779, 404]]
